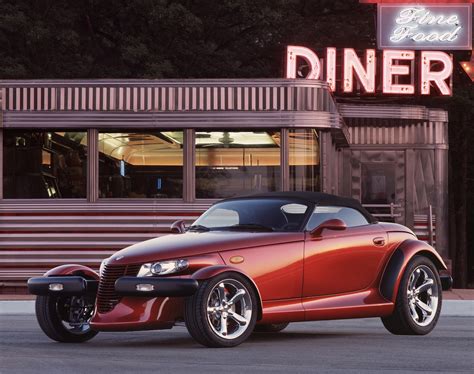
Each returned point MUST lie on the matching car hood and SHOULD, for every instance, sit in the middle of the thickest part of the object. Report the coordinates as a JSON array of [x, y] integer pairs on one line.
[[197, 243]]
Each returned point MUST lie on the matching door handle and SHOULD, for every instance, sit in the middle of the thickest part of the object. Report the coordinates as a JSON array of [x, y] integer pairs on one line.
[[379, 241]]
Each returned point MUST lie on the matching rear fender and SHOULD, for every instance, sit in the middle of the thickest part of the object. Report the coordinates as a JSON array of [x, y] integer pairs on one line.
[[398, 262], [212, 271], [72, 269]]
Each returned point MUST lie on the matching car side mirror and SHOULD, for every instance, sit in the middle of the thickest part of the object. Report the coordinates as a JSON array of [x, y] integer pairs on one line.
[[330, 224], [178, 227]]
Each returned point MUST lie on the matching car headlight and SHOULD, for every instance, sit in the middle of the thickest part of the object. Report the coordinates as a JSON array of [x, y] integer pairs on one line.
[[102, 266], [162, 268]]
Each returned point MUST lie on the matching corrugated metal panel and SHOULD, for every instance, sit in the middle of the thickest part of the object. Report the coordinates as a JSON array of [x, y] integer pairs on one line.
[[164, 95], [368, 131], [37, 236]]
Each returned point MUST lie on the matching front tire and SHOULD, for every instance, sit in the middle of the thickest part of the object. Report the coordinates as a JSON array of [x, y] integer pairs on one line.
[[66, 319], [222, 312], [419, 299]]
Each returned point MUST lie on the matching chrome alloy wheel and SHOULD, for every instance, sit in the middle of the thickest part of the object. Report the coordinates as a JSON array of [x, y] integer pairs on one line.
[[76, 313], [229, 309], [422, 293]]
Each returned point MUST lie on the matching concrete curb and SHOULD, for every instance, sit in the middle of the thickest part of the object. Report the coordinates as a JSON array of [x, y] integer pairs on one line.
[[451, 308]]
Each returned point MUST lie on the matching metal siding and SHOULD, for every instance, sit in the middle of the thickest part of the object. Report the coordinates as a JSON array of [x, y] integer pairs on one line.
[[367, 131], [36, 236]]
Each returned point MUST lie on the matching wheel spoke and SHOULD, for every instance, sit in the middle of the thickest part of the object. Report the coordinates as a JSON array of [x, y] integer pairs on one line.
[[238, 295], [221, 293], [242, 321], [425, 286], [413, 312], [223, 329], [424, 307], [416, 276]]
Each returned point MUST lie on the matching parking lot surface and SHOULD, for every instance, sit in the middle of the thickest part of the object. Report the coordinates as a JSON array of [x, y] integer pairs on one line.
[[349, 346]]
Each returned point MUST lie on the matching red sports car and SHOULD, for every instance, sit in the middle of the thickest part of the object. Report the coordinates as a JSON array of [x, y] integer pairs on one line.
[[252, 263]]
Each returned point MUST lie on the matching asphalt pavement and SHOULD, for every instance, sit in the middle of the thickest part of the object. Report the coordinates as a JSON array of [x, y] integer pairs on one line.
[[346, 346]]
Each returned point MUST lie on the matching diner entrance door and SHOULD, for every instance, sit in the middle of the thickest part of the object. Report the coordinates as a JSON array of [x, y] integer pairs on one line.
[[378, 180]]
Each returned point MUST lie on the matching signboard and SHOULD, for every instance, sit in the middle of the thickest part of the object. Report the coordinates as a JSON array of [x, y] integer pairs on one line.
[[388, 72], [424, 26]]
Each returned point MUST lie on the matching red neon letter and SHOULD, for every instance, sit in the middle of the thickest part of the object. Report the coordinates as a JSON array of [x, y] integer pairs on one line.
[[311, 58], [437, 77], [331, 68], [390, 69], [366, 76]]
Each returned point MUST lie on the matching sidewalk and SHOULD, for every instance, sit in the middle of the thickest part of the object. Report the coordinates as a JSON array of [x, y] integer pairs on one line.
[[459, 294], [456, 303]]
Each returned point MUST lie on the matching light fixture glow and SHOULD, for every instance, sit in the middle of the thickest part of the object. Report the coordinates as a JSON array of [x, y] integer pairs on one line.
[[145, 287], [56, 287]]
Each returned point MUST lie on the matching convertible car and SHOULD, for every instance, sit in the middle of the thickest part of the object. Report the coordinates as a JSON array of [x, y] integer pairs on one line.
[[252, 263]]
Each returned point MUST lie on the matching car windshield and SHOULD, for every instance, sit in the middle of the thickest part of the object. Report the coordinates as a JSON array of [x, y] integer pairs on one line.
[[268, 214]]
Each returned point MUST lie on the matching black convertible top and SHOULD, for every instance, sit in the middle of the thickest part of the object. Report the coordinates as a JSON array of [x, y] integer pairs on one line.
[[318, 198]]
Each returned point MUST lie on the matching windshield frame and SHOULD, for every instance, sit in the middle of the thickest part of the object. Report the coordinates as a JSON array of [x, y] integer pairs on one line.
[[302, 227]]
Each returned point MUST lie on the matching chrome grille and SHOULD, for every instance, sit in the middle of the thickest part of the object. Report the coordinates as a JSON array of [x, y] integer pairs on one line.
[[106, 296]]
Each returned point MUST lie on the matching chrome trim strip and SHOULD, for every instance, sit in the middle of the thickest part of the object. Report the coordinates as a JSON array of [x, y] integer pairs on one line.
[[190, 120], [392, 112]]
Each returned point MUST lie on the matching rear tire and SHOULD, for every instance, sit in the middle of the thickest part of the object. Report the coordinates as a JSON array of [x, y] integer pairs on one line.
[[419, 300], [223, 311], [271, 327], [66, 319]]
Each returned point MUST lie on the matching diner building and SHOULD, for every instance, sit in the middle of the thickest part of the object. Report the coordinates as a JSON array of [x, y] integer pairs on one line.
[[88, 167]]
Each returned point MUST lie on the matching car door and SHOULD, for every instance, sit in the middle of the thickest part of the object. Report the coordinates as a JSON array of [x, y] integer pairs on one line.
[[348, 260]]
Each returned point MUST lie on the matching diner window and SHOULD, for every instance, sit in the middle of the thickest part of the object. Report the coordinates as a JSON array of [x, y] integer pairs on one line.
[[230, 163], [145, 164], [303, 145], [44, 164]]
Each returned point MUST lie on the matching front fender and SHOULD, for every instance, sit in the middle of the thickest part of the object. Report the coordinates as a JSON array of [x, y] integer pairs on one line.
[[212, 271], [398, 262], [72, 269]]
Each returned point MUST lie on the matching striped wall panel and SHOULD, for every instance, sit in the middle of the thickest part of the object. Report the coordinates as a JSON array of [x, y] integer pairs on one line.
[[38, 236], [239, 95], [367, 131]]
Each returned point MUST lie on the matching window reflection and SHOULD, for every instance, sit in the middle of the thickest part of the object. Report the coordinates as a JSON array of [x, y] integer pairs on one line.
[[304, 162], [230, 163], [141, 164], [45, 164]]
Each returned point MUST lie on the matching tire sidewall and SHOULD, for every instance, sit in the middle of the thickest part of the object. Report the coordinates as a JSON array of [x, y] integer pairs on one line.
[[51, 322], [206, 290], [403, 297]]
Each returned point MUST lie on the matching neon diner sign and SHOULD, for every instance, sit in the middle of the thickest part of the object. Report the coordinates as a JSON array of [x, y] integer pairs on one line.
[[396, 67], [410, 20]]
